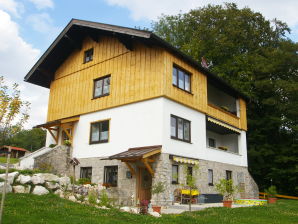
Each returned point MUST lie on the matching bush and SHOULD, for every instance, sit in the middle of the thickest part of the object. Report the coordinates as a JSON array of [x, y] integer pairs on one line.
[[271, 192], [84, 181], [104, 199], [52, 145], [92, 197], [227, 189]]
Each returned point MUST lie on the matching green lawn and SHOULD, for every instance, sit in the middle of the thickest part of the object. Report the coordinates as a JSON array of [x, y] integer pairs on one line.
[[24, 208], [12, 160]]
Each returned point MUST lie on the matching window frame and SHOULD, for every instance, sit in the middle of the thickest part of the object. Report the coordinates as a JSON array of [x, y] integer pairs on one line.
[[176, 128], [185, 72], [85, 54], [229, 175], [210, 171], [177, 178], [87, 167], [99, 141], [104, 176], [212, 139], [94, 83]]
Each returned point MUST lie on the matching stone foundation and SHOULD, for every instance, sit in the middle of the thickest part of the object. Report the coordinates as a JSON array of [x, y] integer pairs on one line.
[[55, 161], [125, 192]]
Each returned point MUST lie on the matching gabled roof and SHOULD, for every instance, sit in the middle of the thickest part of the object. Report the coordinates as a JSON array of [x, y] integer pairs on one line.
[[42, 73], [14, 148], [138, 152]]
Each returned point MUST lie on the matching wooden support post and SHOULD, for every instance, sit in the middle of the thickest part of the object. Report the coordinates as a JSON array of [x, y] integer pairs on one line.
[[66, 132], [5, 184], [147, 165], [130, 168], [55, 137]]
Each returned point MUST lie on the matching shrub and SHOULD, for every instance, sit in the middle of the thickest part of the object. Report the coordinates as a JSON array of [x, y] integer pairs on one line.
[[84, 181], [52, 145], [104, 199], [92, 197], [227, 189], [271, 192]]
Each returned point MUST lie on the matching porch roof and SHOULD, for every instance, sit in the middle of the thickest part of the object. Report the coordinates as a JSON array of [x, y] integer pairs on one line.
[[138, 153]]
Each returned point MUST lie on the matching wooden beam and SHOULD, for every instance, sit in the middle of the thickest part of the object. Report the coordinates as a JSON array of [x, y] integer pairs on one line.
[[128, 43], [130, 168], [55, 137], [67, 133], [73, 42], [70, 119], [147, 165], [151, 153]]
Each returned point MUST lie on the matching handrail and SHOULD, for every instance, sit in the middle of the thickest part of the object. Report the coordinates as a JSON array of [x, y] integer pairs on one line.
[[279, 196]]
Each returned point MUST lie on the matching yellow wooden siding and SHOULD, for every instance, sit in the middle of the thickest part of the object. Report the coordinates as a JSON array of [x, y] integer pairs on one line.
[[135, 76], [243, 118], [197, 99], [144, 73]]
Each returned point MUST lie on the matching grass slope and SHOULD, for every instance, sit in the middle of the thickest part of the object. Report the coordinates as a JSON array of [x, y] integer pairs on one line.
[[24, 208], [11, 161]]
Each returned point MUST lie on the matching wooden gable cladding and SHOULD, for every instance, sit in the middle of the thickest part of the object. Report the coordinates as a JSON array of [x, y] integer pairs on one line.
[[135, 76], [197, 98]]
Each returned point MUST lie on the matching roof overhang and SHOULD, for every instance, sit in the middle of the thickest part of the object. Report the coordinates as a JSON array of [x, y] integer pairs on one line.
[[71, 38]]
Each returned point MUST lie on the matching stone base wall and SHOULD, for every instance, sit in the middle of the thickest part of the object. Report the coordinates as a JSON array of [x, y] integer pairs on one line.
[[56, 160], [163, 172], [126, 189]]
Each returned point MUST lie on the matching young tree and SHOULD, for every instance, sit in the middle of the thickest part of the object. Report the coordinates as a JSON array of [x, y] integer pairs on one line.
[[190, 182], [254, 55], [13, 111]]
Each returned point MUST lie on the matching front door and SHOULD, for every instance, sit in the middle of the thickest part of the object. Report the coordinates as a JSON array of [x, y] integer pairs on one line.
[[144, 184]]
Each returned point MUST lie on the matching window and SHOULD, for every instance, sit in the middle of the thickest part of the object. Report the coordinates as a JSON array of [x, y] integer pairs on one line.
[[101, 86], [88, 55], [111, 176], [175, 172], [212, 142], [181, 79], [210, 177], [228, 174], [189, 173], [99, 132], [86, 172], [180, 128]]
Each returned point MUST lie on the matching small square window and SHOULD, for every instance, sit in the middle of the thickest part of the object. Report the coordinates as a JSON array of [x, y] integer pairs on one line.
[[86, 172], [228, 174], [101, 86], [99, 132], [111, 176], [181, 79], [212, 142], [88, 55]]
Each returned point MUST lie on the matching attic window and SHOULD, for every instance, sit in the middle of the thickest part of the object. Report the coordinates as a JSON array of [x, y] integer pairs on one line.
[[88, 55]]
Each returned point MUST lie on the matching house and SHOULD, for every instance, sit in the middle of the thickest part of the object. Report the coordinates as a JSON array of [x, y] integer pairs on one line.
[[16, 152], [138, 111]]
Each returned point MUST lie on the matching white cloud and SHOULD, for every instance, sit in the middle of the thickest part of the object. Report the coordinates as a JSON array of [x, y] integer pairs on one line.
[[43, 4], [11, 6], [150, 9], [16, 58]]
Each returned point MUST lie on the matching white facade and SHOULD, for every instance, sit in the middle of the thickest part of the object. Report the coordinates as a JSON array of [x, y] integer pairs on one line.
[[148, 123]]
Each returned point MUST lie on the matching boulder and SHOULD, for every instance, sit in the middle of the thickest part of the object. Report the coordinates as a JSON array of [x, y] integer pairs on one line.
[[134, 210], [58, 192], [20, 189], [8, 188], [52, 185], [49, 177], [64, 181], [23, 179], [37, 179], [11, 176], [40, 190], [125, 209], [155, 214], [72, 198]]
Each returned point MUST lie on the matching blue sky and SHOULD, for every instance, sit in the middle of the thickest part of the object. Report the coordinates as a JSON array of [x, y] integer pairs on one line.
[[28, 27]]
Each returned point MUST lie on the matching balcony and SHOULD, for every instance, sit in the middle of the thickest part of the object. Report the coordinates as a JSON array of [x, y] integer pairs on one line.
[[221, 136], [222, 100]]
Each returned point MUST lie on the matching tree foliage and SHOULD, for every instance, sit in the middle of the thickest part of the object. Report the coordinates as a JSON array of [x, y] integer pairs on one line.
[[254, 55], [31, 140], [13, 110]]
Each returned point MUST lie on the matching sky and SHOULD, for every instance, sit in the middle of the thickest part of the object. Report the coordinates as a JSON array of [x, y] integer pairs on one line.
[[28, 27]]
